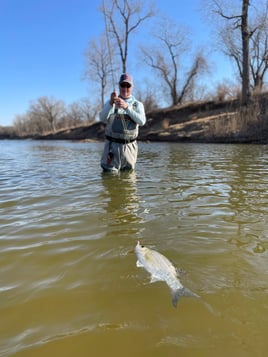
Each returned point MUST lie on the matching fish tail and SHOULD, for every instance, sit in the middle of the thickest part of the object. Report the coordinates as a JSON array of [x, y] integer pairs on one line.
[[176, 294]]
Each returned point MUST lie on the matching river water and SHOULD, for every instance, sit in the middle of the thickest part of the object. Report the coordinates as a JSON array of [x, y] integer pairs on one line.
[[69, 285]]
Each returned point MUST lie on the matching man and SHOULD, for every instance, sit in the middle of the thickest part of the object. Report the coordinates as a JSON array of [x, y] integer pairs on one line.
[[123, 115]]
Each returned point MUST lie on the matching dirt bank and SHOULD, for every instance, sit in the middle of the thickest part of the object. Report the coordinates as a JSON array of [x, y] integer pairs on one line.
[[208, 122]]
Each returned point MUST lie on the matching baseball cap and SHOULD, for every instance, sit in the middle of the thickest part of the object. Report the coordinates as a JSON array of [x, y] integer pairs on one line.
[[126, 78]]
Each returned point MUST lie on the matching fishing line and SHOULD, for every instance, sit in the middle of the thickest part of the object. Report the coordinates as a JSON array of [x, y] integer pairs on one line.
[[108, 44], [111, 64]]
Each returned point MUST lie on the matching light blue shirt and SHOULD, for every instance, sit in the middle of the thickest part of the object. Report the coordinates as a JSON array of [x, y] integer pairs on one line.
[[137, 114]]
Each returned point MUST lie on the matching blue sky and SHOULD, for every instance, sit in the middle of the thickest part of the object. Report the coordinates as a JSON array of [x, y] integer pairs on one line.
[[43, 44]]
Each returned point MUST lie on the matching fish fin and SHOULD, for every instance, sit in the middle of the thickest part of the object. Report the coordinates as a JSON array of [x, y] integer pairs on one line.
[[139, 265], [176, 294], [187, 292], [155, 279], [180, 272]]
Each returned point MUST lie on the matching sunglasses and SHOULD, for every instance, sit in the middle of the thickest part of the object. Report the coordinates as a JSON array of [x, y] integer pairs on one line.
[[125, 85]]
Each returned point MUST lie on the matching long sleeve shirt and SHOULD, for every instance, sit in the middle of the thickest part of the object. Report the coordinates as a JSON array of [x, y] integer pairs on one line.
[[137, 114]]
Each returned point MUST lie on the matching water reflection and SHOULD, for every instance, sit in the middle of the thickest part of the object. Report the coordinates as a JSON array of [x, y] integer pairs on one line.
[[247, 182], [122, 203]]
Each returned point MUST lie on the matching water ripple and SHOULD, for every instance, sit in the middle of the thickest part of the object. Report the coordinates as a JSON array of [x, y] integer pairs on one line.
[[67, 262]]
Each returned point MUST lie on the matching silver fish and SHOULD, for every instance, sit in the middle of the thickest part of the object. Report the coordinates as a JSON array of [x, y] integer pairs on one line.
[[161, 269]]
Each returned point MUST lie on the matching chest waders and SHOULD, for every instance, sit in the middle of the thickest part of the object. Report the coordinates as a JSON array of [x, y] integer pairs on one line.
[[121, 129]]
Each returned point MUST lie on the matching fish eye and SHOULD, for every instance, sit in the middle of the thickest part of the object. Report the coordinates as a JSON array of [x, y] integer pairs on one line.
[[142, 246]]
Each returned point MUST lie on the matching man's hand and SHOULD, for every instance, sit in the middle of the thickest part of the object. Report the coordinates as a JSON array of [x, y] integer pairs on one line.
[[113, 98], [120, 103]]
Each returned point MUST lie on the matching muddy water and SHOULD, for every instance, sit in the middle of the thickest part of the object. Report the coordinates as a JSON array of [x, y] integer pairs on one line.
[[69, 285]]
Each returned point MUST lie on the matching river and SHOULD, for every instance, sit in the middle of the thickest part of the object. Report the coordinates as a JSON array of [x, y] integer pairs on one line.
[[69, 285]]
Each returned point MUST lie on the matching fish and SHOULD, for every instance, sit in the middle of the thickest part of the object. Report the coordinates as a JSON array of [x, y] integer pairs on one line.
[[161, 269]]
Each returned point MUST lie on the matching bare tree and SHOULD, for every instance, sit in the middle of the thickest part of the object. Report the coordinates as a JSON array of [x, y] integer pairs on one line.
[[241, 54], [98, 64], [47, 109], [259, 50], [29, 124], [20, 124], [166, 58], [73, 116], [225, 90], [245, 34], [37, 120], [148, 98], [123, 18], [80, 113], [88, 111], [8, 132]]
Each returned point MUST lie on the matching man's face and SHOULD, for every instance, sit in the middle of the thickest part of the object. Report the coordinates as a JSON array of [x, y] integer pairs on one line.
[[125, 89]]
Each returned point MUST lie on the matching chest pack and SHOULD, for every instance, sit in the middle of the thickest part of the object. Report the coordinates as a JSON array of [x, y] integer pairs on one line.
[[121, 126]]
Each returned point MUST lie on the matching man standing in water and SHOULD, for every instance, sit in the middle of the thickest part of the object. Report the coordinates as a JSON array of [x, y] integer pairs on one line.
[[123, 115]]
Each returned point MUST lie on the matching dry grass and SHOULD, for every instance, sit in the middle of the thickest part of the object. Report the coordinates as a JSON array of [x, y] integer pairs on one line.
[[246, 122], [211, 122]]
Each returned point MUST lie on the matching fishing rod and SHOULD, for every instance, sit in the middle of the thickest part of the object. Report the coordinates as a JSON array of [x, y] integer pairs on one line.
[[108, 45]]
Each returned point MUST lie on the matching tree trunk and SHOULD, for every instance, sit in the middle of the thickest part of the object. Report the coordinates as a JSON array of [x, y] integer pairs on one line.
[[245, 49]]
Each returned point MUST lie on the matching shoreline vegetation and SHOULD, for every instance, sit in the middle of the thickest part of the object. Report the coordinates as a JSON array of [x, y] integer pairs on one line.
[[202, 122]]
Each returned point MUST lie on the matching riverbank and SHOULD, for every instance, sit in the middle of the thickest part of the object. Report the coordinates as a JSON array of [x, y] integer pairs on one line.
[[208, 122]]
